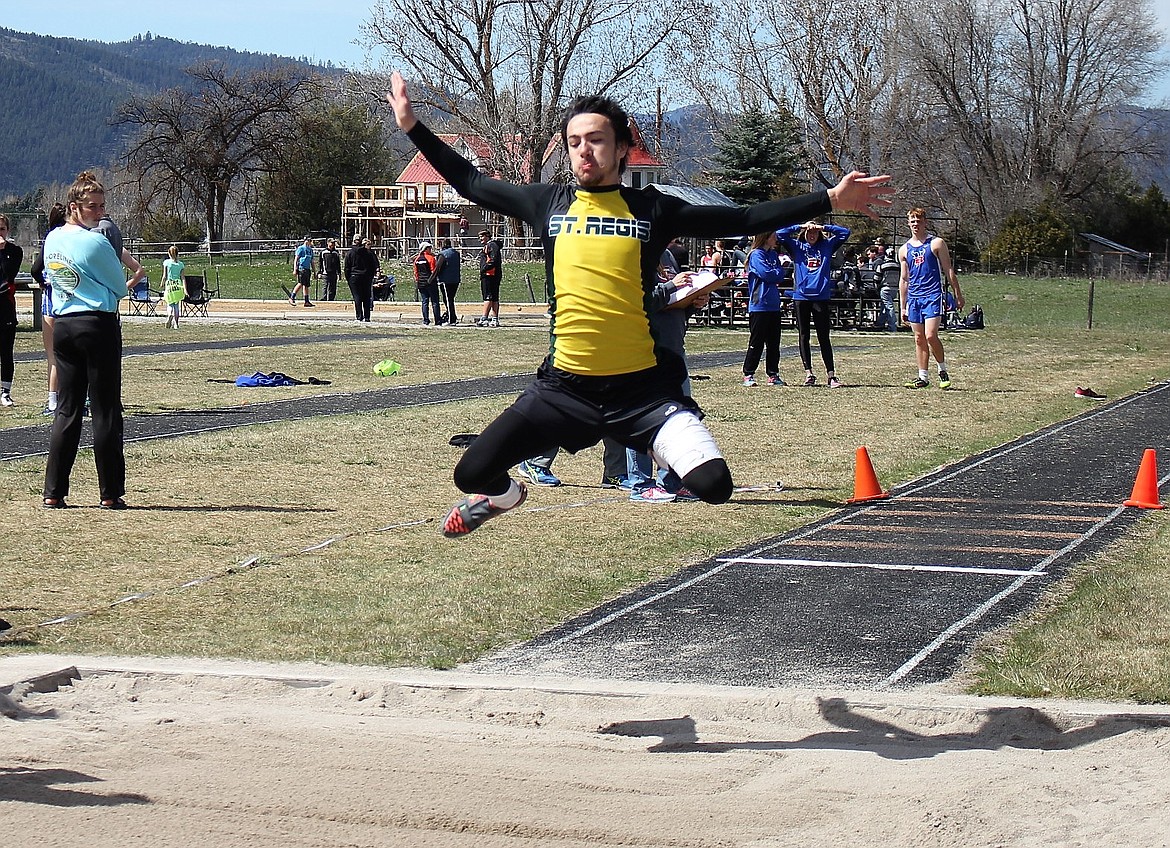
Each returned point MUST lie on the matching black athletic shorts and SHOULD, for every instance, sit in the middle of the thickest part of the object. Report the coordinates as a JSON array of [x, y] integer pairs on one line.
[[489, 287], [581, 409]]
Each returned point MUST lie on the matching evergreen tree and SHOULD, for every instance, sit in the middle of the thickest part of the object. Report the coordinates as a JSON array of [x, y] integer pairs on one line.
[[332, 146], [756, 156]]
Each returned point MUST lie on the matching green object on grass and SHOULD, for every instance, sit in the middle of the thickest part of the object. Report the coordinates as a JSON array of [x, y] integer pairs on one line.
[[388, 368]]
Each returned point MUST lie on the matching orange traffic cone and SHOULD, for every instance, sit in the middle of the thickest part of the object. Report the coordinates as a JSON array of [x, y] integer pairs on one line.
[[1145, 488], [865, 482]]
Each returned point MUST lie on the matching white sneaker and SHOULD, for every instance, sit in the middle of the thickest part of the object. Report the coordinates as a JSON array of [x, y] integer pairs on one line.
[[654, 494], [6, 399]]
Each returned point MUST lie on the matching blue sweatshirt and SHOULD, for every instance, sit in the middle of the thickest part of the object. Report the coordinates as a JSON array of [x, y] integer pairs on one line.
[[814, 274], [765, 275]]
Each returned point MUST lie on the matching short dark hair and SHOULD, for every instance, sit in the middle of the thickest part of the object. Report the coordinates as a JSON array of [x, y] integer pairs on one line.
[[596, 104], [446, 243], [487, 233]]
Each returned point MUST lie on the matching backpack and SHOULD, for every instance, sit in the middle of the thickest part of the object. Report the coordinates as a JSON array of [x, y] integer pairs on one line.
[[974, 321]]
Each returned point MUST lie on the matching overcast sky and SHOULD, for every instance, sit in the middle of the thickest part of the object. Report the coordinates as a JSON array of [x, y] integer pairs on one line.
[[292, 28]]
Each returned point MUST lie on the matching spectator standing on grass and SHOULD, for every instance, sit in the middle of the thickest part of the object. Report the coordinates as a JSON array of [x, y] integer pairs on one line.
[[329, 267], [302, 271], [889, 272], [174, 287], [448, 274], [811, 246], [428, 287], [11, 255], [765, 276], [491, 269], [925, 261], [56, 219], [669, 325], [110, 230], [88, 282], [360, 268]]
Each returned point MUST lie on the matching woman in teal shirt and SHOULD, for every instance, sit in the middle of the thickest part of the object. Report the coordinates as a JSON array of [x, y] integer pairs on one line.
[[87, 280]]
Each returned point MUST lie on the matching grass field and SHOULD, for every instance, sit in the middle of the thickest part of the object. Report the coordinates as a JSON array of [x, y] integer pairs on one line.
[[248, 509]]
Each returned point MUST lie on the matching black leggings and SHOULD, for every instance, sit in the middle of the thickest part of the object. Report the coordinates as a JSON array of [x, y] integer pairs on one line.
[[816, 311], [7, 338], [512, 438]]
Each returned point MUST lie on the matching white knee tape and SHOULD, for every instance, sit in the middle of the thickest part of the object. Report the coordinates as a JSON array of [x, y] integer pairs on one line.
[[683, 443]]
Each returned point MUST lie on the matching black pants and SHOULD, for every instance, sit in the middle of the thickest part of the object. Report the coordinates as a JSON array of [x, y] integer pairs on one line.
[[816, 311], [88, 347], [7, 338], [449, 290], [362, 292], [763, 335]]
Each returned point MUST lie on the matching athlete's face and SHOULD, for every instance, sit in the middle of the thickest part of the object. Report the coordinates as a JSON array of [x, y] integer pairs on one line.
[[917, 226], [594, 154]]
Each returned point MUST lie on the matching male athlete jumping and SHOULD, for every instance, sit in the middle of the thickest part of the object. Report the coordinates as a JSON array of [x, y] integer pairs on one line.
[[605, 374]]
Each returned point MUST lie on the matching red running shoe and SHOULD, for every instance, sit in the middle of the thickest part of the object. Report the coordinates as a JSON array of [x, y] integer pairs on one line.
[[474, 510]]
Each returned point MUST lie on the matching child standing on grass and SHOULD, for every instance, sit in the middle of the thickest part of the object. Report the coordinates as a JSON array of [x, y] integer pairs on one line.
[[174, 289]]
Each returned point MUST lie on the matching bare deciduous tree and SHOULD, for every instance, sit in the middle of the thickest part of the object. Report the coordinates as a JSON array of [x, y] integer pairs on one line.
[[200, 142], [503, 69], [1024, 101]]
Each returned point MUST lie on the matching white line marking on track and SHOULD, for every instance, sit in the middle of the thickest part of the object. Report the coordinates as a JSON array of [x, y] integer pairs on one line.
[[992, 602], [885, 566]]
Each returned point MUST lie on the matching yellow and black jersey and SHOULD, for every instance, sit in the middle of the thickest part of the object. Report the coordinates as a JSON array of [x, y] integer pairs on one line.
[[602, 248]]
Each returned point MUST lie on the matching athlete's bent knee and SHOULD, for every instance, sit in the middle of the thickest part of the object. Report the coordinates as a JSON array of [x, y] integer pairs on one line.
[[711, 481]]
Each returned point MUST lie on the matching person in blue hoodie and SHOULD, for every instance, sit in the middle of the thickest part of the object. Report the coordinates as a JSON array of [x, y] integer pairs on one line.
[[811, 246], [765, 277]]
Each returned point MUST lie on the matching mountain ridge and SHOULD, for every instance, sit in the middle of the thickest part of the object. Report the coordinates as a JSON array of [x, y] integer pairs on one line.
[[50, 82]]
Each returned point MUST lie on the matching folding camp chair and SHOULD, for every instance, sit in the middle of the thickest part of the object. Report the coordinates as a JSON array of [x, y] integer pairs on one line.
[[198, 295], [142, 300]]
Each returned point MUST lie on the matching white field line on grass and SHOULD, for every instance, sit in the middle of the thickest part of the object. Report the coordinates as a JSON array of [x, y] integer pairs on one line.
[[246, 565], [254, 562]]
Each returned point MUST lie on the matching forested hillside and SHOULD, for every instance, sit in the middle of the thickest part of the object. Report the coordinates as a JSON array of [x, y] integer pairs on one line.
[[59, 94]]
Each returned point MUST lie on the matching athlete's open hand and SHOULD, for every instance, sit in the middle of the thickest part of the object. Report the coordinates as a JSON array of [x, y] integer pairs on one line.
[[399, 101], [859, 192]]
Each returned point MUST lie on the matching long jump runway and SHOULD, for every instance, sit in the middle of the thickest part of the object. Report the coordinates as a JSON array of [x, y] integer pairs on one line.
[[888, 594]]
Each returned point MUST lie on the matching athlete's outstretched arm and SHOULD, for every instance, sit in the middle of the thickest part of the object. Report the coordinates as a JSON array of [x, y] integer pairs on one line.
[[399, 101], [859, 192], [465, 178]]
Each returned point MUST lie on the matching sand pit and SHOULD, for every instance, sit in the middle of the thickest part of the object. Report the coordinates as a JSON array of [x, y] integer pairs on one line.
[[160, 752]]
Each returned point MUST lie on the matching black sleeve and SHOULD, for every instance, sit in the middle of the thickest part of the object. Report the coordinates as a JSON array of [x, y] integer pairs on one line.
[[38, 269], [515, 201], [717, 221], [14, 256]]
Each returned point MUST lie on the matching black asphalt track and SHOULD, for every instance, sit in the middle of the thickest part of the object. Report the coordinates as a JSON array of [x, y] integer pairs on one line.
[[887, 594], [227, 344]]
